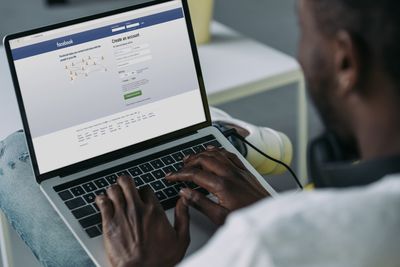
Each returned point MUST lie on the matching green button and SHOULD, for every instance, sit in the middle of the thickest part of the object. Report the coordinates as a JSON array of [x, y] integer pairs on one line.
[[132, 95]]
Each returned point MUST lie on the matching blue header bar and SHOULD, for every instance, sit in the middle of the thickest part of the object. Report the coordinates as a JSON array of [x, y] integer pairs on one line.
[[95, 34]]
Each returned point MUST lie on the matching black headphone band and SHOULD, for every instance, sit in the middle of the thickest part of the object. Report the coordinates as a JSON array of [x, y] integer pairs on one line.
[[329, 166]]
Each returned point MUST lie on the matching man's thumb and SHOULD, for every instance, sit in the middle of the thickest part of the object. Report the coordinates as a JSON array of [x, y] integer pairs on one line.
[[182, 219], [212, 210]]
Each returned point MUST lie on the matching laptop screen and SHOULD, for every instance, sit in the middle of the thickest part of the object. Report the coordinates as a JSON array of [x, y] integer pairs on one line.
[[109, 83]]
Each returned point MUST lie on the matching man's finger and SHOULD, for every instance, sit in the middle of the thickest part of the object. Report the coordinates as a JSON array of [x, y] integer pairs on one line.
[[147, 196], [106, 210], [202, 178], [134, 204], [234, 158], [181, 223], [210, 161], [130, 192], [117, 197], [215, 212]]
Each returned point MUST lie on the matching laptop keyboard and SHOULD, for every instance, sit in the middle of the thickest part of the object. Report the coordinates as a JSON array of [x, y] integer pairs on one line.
[[79, 195]]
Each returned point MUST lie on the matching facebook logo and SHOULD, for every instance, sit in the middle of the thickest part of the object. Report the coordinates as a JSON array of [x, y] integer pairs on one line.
[[65, 43]]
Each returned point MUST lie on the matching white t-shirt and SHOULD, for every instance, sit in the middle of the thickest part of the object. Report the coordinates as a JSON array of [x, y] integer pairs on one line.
[[357, 227]]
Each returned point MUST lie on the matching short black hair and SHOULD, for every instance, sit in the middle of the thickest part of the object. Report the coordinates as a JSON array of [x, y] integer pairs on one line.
[[374, 24]]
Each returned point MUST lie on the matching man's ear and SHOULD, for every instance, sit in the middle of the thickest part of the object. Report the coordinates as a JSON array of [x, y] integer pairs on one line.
[[346, 62]]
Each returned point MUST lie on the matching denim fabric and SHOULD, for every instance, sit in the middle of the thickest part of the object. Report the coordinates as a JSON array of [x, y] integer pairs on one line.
[[29, 212]]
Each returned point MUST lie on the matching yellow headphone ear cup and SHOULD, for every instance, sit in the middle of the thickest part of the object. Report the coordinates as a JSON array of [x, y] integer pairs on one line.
[[273, 143], [278, 146]]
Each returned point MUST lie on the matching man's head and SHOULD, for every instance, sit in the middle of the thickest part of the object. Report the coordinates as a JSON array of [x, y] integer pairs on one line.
[[350, 53]]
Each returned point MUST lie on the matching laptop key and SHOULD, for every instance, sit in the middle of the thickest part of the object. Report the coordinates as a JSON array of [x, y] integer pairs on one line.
[[170, 192], [157, 185], [158, 174], [157, 164], [96, 207], [188, 152], [168, 160], [199, 149], [100, 192], [169, 169], [91, 220], [90, 198], [101, 183], [147, 178], [167, 183], [93, 231], [146, 167], [178, 156], [123, 173], [75, 203], [135, 171], [179, 186], [160, 195], [191, 185], [89, 187], [77, 191], [178, 166], [83, 212], [138, 181], [213, 143], [65, 195], [111, 179]]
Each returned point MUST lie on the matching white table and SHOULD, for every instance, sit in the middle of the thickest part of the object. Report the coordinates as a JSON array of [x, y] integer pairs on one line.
[[233, 67]]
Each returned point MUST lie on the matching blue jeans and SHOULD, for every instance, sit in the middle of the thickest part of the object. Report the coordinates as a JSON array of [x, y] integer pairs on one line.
[[30, 213]]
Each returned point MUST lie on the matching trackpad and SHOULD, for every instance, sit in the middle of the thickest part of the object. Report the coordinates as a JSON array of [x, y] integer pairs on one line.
[[201, 229]]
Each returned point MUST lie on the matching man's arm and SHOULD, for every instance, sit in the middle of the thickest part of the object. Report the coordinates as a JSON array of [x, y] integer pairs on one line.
[[352, 227]]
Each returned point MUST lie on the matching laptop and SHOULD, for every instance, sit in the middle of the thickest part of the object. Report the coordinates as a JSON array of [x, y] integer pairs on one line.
[[119, 93]]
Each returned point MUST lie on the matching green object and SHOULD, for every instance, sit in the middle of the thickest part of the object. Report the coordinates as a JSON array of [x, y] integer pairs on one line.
[[132, 95]]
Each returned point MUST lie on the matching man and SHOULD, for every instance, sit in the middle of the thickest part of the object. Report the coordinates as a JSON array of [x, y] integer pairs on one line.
[[350, 54], [349, 51]]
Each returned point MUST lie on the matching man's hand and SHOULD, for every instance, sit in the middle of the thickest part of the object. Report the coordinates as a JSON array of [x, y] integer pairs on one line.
[[222, 174], [136, 230]]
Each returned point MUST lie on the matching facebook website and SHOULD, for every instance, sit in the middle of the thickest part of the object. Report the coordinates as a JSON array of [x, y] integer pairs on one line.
[[102, 85]]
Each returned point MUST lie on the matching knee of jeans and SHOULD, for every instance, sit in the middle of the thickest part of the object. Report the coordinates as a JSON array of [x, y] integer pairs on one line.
[[11, 163]]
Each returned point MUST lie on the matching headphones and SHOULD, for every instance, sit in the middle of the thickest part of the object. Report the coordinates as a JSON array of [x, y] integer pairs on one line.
[[333, 165]]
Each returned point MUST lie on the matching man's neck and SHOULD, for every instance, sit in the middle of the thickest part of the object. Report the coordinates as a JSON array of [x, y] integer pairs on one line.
[[379, 136]]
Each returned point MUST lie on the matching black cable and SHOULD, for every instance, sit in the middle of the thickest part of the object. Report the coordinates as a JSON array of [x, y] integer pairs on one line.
[[233, 132]]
